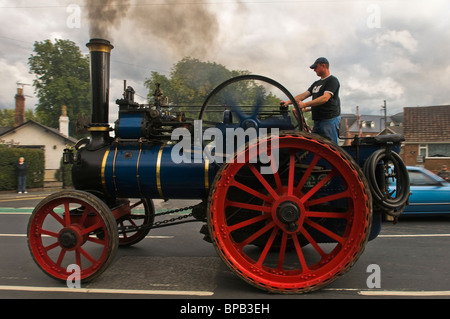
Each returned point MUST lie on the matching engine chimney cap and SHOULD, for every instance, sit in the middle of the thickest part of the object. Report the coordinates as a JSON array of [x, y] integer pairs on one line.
[[99, 45]]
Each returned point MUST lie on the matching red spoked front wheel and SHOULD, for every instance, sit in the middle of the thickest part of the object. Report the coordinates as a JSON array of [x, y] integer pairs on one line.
[[72, 227], [297, 228]]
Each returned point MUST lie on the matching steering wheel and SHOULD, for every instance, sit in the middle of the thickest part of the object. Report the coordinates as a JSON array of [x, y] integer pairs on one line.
[[256, 115]]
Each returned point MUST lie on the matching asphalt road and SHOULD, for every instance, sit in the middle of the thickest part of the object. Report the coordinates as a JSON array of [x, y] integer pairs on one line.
[[175, 263]]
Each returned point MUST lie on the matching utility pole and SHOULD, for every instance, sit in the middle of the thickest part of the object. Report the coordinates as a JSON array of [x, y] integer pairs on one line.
[[385, 117]]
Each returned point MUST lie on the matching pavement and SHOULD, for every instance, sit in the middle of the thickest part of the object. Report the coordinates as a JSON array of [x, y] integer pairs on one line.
[[31, 193], [38, 193]]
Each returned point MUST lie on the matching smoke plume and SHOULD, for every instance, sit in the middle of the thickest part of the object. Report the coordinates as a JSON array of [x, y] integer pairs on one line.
[[187, 28], [104, 15]]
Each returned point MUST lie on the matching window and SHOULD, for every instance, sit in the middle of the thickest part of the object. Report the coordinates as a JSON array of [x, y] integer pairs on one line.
[[423, 150], [438, 150], [420, 179]]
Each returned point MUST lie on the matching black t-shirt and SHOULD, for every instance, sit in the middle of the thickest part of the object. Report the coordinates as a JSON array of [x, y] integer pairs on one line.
[[333, 107]]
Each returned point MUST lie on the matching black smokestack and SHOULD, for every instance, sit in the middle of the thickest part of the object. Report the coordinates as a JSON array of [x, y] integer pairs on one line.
[[100, 59], [100, 50]]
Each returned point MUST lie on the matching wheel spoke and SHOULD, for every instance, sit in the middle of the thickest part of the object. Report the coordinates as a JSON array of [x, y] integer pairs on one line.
[[87, 255], [266, 249], [259, 102], [312, 242], [98, 225], [329, 198], [291, 173], [263, 181], [275, 172], [84, 215], [307, 174], [257, 208], [136, 204], [48, 233], [58, 218], [256, 235], [50, 247], [62, 253], [96, 240], [66, 214], [78, 258], [298, 250], [251, 191], [237, 110], [282, 250], [325, 231], [318, 186], [248, 222], [327, 214]]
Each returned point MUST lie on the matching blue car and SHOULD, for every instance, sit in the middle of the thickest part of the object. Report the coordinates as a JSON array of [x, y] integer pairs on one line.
[[430, 194]]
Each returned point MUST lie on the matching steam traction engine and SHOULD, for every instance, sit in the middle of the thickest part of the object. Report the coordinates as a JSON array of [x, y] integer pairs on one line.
[[292, 229]]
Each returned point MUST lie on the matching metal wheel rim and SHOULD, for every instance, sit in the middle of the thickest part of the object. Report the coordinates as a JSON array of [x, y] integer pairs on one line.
[[252, 266], [93, 253], [128, 239]]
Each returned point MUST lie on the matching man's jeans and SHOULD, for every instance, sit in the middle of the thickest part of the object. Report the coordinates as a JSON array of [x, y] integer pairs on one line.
[[328, 128], [21, 183]]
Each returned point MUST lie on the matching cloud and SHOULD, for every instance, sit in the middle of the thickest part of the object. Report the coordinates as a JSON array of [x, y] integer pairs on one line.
[[402, 60], [13, 76], [393, 38]]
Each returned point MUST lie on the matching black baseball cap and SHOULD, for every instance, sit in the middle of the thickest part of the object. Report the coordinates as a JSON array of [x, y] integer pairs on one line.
[[319, 60]]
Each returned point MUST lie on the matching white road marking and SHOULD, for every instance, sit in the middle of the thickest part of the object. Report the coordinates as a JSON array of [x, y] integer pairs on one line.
[[414, 235], [404, 293], [107, 291], [25, 235], [400, 293]]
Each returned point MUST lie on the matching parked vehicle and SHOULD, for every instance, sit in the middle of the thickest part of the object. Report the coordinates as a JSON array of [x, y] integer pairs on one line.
[[430, 194]]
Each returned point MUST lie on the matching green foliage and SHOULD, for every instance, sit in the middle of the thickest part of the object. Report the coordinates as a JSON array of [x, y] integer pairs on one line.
[[35, 160], [7, 117], [62, 78], [190, 81], [64, 173]]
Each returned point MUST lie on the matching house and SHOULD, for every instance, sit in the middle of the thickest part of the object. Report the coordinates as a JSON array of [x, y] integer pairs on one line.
[[427, 136], [369, 125], [33, 134]]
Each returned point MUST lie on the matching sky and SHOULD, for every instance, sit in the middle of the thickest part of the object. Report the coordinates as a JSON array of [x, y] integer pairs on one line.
[[394, 50]]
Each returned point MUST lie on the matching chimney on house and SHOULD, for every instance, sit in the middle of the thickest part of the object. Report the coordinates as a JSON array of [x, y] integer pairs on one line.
[[64, 122], [19, 117]]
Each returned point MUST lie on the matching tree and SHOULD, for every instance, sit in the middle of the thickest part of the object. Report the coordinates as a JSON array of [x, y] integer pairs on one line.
[[7, 117], [190, 81], [62, 78]]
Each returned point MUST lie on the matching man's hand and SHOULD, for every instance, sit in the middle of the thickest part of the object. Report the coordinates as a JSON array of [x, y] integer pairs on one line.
[[285, 103], [303, 107]]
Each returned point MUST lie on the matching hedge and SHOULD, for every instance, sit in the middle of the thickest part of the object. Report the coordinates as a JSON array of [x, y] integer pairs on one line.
[[64, 174], [35, 160]]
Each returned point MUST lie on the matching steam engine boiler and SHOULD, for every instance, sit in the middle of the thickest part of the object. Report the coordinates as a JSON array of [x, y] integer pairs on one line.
[[290, 224]]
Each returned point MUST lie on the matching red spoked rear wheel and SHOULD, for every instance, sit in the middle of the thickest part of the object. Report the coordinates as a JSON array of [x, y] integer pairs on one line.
[[140, 215], [297, 228], [72, 227]]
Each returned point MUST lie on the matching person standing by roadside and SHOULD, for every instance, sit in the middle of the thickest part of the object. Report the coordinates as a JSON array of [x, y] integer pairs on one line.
[[21, 171], [444, 173], [325, 105]]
